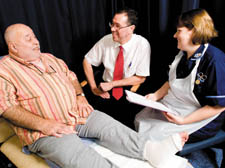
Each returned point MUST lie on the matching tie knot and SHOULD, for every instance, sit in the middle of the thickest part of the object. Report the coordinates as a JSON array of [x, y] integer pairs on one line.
[[121, 48]]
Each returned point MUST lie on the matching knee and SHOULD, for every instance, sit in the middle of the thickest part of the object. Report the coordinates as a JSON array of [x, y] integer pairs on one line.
[[101, 117], [65, 164]]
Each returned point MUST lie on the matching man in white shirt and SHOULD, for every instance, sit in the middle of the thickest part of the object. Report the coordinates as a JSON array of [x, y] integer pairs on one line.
[[136, 67]]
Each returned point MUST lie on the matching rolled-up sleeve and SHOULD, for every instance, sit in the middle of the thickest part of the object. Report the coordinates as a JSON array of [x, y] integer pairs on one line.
[[7, 95], [95, 54]]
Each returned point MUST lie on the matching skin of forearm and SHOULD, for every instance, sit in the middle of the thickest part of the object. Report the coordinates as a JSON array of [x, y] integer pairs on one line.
[[203, 113], [89, 74], [77, 86], [134, 80], [160, 93], [23, 118]]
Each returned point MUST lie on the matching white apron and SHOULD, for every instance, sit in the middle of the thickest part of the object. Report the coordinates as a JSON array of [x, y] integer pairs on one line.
[[180, 98]]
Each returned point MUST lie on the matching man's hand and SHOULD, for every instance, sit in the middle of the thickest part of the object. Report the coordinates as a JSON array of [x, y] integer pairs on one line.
[[105, 86], [174, 118], [83, 107], [54, 128], [99, 92]]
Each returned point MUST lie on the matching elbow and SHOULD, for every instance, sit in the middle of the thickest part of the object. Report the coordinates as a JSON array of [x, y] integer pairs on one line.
[[142, 80], [86, 65], [84, 62]]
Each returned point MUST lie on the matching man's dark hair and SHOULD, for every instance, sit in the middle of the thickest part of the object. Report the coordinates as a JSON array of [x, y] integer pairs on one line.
[[131, 14]]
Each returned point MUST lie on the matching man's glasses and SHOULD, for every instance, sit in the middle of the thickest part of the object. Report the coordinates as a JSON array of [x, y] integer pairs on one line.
[[111, 25]]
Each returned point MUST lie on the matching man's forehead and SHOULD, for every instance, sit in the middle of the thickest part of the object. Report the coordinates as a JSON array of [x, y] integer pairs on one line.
[[16, 32], [120, 18], [19, 30], [25, 31]]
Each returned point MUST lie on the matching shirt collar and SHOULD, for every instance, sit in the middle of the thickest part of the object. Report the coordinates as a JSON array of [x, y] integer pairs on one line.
[[197, 54], [18, 59], [49, 67], [127, 45], [22, 61]]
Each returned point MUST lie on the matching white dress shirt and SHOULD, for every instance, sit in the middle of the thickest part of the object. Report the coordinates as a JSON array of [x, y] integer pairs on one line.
[[136, 54]]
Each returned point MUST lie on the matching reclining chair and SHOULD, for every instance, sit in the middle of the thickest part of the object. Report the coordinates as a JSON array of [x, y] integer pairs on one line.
[[12, 149]]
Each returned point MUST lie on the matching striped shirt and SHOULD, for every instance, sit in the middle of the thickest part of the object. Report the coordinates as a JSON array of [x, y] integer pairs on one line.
[[49, 94]]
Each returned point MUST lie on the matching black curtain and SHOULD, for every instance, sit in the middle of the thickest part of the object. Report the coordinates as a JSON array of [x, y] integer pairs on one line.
[[69, 28]]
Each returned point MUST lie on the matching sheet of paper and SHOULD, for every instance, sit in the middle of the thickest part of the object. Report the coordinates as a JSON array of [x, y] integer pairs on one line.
[[141, 100]]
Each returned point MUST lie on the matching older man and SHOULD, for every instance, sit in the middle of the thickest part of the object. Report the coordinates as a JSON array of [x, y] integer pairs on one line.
[[42, 99], [126, 58]]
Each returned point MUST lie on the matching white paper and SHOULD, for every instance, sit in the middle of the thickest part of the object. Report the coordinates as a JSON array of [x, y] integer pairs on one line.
[[141, 100]]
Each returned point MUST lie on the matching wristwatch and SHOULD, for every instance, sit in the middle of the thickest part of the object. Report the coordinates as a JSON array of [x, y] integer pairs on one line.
[[81, 94]]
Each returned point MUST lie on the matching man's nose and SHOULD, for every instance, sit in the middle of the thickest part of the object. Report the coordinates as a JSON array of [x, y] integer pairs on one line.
[[113, 28], [35, 41]]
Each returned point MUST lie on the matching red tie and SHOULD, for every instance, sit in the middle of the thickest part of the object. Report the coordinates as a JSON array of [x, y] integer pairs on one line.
[[118, 74]]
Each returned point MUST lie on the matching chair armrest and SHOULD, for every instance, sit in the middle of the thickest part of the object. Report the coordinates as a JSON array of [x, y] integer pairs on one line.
[[134, 88], [83, 83]]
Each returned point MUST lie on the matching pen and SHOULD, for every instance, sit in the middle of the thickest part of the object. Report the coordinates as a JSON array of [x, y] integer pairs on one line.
[[130, 65]]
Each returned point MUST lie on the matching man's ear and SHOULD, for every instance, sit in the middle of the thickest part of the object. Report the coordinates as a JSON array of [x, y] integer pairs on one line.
[[133, 27], [12, 47]]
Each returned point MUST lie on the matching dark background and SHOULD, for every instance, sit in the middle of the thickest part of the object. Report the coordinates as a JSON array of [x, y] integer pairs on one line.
[[69, 28]]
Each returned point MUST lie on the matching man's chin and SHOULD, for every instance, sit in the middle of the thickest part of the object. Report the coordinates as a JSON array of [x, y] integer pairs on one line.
[[115, 39], [36, 56]]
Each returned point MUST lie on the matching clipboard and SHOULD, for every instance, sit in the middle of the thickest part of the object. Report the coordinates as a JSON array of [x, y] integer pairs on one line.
[[141, 100]]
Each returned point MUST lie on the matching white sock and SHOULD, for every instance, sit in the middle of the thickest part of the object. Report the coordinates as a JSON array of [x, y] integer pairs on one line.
[[159, 152]]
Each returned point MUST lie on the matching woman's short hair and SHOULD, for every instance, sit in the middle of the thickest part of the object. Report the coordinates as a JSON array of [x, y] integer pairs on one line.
[[201, 23]]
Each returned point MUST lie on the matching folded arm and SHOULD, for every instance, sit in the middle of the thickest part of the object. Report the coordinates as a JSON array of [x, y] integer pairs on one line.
[[133, 80], [88, 70]]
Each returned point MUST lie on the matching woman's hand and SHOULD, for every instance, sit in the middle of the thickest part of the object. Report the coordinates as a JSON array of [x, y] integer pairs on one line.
[[174, 118], [151, 96]]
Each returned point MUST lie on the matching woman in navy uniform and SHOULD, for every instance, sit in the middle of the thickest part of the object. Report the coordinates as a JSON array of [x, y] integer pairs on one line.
[[195, 87]]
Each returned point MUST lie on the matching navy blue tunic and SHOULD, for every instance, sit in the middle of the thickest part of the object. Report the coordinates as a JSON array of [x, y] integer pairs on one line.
[[209, 86]]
